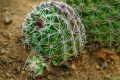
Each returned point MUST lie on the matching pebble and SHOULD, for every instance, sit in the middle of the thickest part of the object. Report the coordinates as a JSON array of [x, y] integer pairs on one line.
[[7, 17], [2, 51], [111, 68], [97, 67], [9, 75], [7, 52], [108, 76], [73, 67], [106, 64], [22, 72]]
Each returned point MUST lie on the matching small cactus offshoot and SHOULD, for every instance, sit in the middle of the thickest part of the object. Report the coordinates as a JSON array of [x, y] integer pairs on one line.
[[54, 30], [35, 65]]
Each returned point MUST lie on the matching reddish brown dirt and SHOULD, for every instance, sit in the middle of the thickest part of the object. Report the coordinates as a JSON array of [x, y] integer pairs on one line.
[[93, 64]]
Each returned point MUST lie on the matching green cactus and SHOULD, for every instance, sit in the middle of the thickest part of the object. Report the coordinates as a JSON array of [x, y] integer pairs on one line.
[[35, 65], [102, 20], [54, 30]]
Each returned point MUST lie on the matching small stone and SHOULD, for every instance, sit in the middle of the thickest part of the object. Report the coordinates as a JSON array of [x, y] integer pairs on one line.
[[3, 51], [10, 35], [111, 68], [11, 45], [7, 52], [9, 75], [7, 17], [73, 67], [106, 64], [108, 76], [22, 72], [8, 48], [97, 67]]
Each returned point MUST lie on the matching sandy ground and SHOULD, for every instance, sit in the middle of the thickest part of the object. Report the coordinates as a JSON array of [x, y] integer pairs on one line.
[[94, 63]]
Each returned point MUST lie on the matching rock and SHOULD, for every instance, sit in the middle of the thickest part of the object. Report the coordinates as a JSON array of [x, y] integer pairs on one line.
[[73, 67], [7, 17], [7, 52], [108, 77], [111, 68], [97, 67], [2, 51], [106, 64], [22, 72], [9, 75]]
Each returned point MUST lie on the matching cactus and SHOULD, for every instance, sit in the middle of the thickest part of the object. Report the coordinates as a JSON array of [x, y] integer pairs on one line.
[[101, 18], [35, 65], [54, 30]]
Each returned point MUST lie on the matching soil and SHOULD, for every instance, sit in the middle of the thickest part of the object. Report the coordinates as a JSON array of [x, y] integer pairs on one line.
[[94, 63]]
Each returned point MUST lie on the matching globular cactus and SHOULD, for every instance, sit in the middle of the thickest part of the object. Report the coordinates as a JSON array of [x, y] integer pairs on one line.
[[35, 65], [54, 30], [102, 20]]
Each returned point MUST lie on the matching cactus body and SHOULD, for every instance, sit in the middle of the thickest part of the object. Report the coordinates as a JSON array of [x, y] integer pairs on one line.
[[54, 30], [35, 65], [102, 20]]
